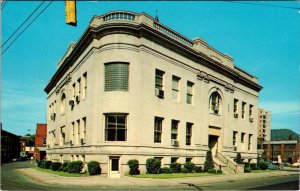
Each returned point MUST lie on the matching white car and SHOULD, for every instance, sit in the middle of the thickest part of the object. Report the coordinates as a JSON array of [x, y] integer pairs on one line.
[[296, 164]]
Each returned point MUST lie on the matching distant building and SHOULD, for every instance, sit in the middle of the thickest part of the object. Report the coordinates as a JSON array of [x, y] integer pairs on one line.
[[284, 146], [132, 88], [10, 148], [26, 147], [264, 125], [40, 141]]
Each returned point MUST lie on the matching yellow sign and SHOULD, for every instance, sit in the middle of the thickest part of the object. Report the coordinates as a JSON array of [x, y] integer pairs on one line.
[[71, 12]]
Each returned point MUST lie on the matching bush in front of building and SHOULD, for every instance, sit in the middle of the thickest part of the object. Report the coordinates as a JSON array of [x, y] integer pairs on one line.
[[133, 167], [75, 166], [165, 170], [253, 166], [246, 164], [239, 158], [42, 165], [55, 166], [219, 171], [189, 166], [48, 164], [247, 169], [94, 168], [212, 171], [209, 163], [198, 169], [175, 167], [64, 167], [39, 163], [184, 170], [263, 165], [153, 166]]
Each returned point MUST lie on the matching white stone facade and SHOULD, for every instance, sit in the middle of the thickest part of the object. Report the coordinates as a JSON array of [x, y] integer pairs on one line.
[[188, 68]]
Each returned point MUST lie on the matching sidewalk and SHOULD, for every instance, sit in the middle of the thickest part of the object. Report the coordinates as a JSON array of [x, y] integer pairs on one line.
[[125, 181]]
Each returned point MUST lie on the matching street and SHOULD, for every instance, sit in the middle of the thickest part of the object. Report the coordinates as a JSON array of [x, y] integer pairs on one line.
[[14, 180]]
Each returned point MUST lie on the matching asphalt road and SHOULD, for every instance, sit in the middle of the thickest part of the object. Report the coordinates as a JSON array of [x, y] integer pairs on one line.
[[13, 180]]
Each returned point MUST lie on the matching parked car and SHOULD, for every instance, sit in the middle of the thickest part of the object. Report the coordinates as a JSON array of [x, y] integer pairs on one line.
[[296, 164]]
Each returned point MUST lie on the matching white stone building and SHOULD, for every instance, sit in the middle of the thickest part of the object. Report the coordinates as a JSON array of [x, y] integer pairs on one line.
[[132, 88]]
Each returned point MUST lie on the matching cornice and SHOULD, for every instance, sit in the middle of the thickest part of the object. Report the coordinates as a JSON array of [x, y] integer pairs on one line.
[[142, 30]]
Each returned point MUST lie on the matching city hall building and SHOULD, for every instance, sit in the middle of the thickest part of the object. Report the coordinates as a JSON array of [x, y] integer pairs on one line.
[[132, 88]]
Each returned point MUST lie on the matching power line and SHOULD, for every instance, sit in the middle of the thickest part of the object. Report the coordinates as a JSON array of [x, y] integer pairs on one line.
[[22, 24], [3, 5], [25, 28], [266, 5]]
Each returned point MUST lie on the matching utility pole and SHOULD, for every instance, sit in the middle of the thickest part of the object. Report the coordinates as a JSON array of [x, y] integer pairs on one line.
[[71, 12]]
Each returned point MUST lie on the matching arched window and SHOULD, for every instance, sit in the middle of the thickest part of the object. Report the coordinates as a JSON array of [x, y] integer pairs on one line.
[[214, 103], [63, 103]]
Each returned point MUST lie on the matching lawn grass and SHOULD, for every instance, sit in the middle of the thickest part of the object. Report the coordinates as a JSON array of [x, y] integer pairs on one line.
[[173, 175], [258, 171], [60, 173]]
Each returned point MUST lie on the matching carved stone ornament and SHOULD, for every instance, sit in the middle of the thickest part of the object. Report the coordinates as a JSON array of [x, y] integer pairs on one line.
[[57, 90], [203, 76], [229, 87], [68, 78]]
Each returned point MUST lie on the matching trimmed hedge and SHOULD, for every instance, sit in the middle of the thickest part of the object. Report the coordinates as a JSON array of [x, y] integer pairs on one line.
[[189, 166], [263, 165], [47, 164], [246, 164], [175, 167], [153, 165], [247, 170], [94, 168], [209, 163], [42, 165], [184, 170], [219, 171], [165, 170], [64, 166], [134, 167], [75, 166], [39, 163], [239, 158], [253, 166], [55, 166], [212, 171], [198, 169]]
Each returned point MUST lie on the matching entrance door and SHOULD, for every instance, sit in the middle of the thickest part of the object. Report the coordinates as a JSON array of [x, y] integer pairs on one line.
[[114, 167], [213, 144]]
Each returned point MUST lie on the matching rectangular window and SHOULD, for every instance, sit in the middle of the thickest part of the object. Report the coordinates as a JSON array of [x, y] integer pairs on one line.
[[242, 137], [189, 92], [159, 79], [235, 105], [62, 131], [73, 131], [84, 85], [84, 127], [44, 140], [157, 129], [250, 111], [78, 131], [175, 88], [115, 127], [116, 76], [188, 159], [249, 141], [188, 133], [234, 138], [174, 129], [243, 109], [174, 159]]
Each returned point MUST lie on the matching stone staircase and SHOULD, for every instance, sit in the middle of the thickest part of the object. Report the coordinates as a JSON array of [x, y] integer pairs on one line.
[[227, 165]]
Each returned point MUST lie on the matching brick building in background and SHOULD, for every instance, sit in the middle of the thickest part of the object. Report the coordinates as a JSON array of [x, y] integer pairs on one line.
[[40, 141], [10, 148]]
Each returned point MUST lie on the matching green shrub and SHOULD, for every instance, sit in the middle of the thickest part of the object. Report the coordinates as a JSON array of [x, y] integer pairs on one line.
[[257, 168], [219, 171], [55, 166], [47, 164], [42, 164], [189, 166], [134, 167], [184, 170], [253, 166], [153, 165], [175, 167], [94, 168], [198, 169], [75, 166], [209, 163], [212, 171], [263, 165], [246, 164], [247, 170], [165, 170], [238, 158], [39, 163], [64, 167]]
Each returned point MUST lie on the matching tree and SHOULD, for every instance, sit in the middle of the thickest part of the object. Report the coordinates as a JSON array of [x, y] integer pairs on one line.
[[209, 163], [239, 158]]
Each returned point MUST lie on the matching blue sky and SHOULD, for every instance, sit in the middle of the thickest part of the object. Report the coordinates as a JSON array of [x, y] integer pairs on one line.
[[263, 40]]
